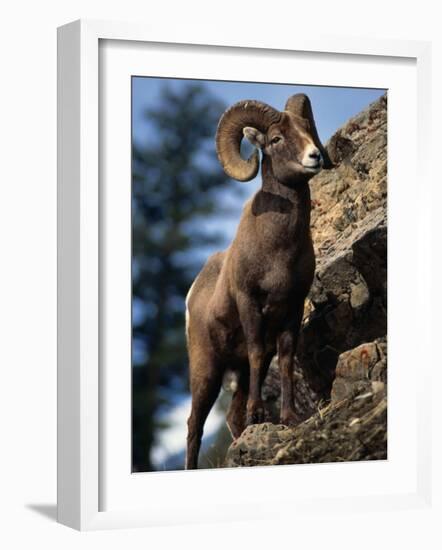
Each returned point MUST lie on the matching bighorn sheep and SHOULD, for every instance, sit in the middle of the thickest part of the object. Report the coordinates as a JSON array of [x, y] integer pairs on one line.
[[247, 302]]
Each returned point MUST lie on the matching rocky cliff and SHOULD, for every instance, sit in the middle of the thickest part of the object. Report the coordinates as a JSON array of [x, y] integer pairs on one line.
[[341, 368]]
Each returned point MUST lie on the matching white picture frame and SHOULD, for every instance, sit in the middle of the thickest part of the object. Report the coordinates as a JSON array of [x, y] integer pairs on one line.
[[81, 471]]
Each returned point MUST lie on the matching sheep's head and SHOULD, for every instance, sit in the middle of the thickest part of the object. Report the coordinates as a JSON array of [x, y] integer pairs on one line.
[[289, 138]]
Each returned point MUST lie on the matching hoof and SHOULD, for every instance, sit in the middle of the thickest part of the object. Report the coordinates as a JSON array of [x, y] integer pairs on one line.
[[289, 419], [257, 416]]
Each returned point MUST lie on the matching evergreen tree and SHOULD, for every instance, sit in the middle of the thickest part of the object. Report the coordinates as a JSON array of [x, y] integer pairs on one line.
[[175, 187]]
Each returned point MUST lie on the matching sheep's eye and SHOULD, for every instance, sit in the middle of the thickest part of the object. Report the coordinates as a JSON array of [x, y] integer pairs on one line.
[[275, 139]]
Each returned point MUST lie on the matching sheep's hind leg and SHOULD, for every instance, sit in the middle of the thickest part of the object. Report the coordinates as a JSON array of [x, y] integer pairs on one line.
[[205, 389], [236, 415]]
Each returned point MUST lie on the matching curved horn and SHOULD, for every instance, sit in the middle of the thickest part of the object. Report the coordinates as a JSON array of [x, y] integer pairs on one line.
[[299, 105], [230, 133]]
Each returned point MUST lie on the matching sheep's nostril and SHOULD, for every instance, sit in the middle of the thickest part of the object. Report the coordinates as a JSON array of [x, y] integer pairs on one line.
[[315, 155]]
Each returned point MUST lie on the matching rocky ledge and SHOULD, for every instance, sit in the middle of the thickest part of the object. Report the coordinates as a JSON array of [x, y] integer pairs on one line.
[[341, 369], [351, 426]]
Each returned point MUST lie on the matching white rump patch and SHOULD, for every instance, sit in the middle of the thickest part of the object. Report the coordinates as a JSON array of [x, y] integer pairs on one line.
[[187, 308], [230, 381], [189, 294]]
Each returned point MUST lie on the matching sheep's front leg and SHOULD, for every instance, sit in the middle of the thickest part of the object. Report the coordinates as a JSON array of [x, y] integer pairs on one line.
[[255, 406], [287, 343], [236, 415], [252, 325]]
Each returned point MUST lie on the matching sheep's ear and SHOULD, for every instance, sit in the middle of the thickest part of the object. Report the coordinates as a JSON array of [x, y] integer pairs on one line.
[[255, 137], [299, 105]]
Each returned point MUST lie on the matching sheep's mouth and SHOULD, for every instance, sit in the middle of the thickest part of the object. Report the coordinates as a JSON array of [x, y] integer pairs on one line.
[[313, 168]]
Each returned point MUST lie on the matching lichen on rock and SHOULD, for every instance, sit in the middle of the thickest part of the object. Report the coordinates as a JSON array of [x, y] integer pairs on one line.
[[351, 426], [340, 374]]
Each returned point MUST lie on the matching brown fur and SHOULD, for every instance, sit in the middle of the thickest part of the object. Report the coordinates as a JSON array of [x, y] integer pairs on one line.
[[247, 302]]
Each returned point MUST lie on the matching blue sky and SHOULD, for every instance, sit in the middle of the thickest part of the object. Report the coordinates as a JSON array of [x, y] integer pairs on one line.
[[332, 107]]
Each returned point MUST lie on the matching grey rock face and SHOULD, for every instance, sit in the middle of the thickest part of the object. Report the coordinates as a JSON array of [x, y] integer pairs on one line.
[[340, 376], [352, 426]]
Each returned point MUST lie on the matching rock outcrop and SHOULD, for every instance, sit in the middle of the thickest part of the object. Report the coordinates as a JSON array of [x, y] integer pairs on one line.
[[340, 376], [351, 426]]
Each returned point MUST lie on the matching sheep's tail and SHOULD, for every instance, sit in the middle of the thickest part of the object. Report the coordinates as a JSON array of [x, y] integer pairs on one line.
[[230, 381]]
